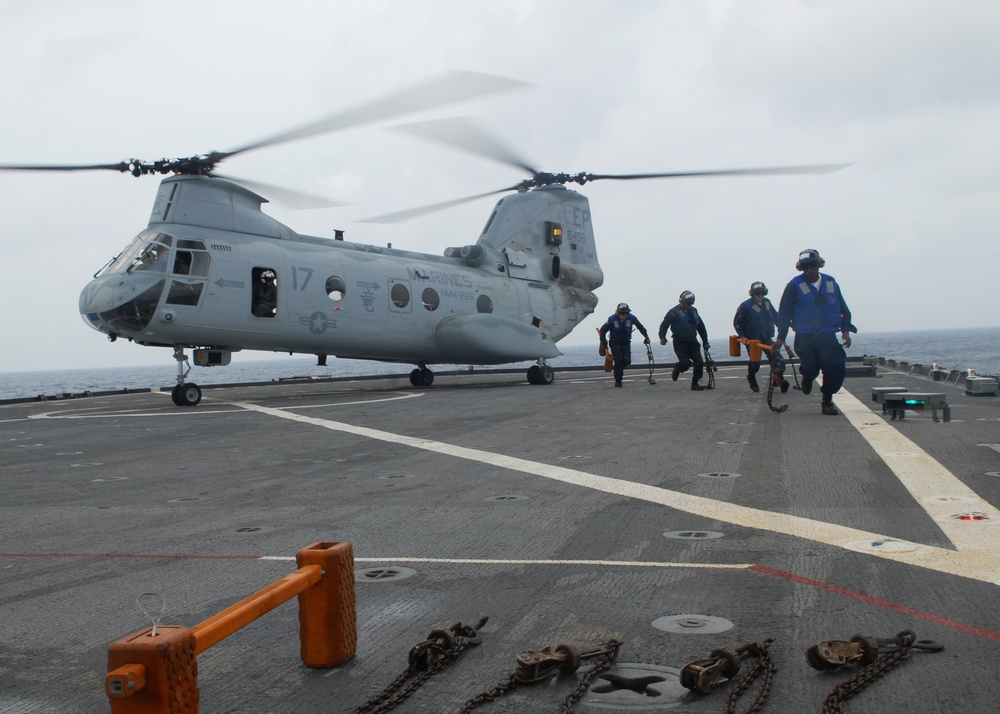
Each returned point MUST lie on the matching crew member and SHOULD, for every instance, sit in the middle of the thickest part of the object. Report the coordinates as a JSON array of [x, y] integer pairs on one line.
[[618, 332], [815, 308], [754, 320], [686, 325], [265, 295]]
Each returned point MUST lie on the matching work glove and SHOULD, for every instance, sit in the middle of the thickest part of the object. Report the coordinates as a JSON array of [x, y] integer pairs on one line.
[[645, 341], [707, 346]]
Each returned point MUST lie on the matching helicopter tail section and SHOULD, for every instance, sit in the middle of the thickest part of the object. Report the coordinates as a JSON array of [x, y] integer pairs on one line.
[[547, 240]]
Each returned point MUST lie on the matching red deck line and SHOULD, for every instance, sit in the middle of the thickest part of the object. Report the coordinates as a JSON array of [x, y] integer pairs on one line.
[[129, 555], [888, 604]]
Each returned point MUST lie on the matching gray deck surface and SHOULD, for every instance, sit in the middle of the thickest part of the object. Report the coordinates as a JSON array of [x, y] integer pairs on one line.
[[840, 543]]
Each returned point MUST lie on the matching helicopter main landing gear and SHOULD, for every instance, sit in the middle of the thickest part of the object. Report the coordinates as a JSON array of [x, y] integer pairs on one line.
[[421, 377], [540, 373], [184, 394]]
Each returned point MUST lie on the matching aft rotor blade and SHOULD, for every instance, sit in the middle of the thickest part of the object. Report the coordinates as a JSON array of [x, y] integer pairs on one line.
[[453, 87], [462, 133], [290, 198], [773, 171], [424, 210]]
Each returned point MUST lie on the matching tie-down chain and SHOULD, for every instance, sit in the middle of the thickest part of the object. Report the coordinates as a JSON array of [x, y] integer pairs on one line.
[[876, 655], [879, 655]]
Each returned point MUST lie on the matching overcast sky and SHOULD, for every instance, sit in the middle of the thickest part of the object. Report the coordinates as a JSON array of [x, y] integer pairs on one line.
[[908, 91]]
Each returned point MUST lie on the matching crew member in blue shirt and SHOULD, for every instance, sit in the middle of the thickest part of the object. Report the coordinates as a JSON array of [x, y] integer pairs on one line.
[[754, 320], [686, 325], [618, 331], [814, 307]]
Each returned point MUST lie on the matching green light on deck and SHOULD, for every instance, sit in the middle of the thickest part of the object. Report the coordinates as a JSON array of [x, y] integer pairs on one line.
[[914, 401]]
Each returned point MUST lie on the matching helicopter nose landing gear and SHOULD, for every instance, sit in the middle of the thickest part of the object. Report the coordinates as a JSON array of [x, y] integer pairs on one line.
[[184, 394], [540, 373]]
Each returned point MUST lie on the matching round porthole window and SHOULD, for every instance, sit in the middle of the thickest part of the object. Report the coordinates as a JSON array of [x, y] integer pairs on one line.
[[336, 288], [430, 299], [399, 295]]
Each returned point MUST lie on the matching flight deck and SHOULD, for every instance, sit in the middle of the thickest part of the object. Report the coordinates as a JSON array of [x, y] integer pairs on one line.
[[677, 523]]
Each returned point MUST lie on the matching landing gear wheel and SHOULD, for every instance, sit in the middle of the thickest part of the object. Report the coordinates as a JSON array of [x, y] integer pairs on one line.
[[545, 375], [533, 374], [415, 377], [426, 377], [186, 395]]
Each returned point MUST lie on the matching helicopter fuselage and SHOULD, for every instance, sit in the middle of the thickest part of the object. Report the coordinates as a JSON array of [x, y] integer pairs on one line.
[[212, 271]]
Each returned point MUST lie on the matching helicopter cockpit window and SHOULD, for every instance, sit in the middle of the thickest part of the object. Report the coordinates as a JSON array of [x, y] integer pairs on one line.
[[336, 288], [154, 256], [484, 304], [430, 299], [191, 258], [264, 301]]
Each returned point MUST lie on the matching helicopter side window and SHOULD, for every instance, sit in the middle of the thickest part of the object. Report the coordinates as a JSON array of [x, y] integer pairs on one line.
[[399, 294], [264, 301], [484, 304], [185, 292], [182, 262], [191, 258], [336, 288], [430, 299]]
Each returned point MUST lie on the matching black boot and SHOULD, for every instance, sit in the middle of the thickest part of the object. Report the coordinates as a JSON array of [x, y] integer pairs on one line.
[[753, 383], [828, 407]]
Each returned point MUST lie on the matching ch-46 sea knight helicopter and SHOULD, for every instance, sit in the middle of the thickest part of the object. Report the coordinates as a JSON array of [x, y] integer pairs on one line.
[[212, 273]]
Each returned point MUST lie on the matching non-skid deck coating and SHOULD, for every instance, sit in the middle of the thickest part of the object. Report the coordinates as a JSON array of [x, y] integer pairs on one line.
[[542, 507]]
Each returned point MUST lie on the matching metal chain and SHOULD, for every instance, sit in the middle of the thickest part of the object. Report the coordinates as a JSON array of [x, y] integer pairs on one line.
[[764, 668], [791, 356], [426, 658], [490, 694], [834, 702], [541, 665], [600, 664], [710, 369], [773, 360]]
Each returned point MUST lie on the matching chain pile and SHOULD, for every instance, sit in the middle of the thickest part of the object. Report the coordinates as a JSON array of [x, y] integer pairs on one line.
[[704, 675], [540, 665], [427, 658]]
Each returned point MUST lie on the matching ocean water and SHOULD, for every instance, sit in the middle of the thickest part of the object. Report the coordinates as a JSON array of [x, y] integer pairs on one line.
[[962, 349]]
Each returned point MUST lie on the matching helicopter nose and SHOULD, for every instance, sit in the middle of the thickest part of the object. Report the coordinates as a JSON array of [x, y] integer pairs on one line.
[[121, 304]]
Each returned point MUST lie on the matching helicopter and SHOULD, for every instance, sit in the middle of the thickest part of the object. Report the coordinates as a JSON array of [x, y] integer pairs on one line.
[[214, 274]]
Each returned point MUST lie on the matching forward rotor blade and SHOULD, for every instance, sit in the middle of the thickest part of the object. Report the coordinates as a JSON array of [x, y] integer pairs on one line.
[[424, 210], [295, 200], [774, 171], [121, 166], [462, 133], [453, 87]]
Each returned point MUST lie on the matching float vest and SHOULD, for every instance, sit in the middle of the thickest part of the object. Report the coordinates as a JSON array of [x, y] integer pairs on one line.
[[817, 312], [757, 320], [621, 330]]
